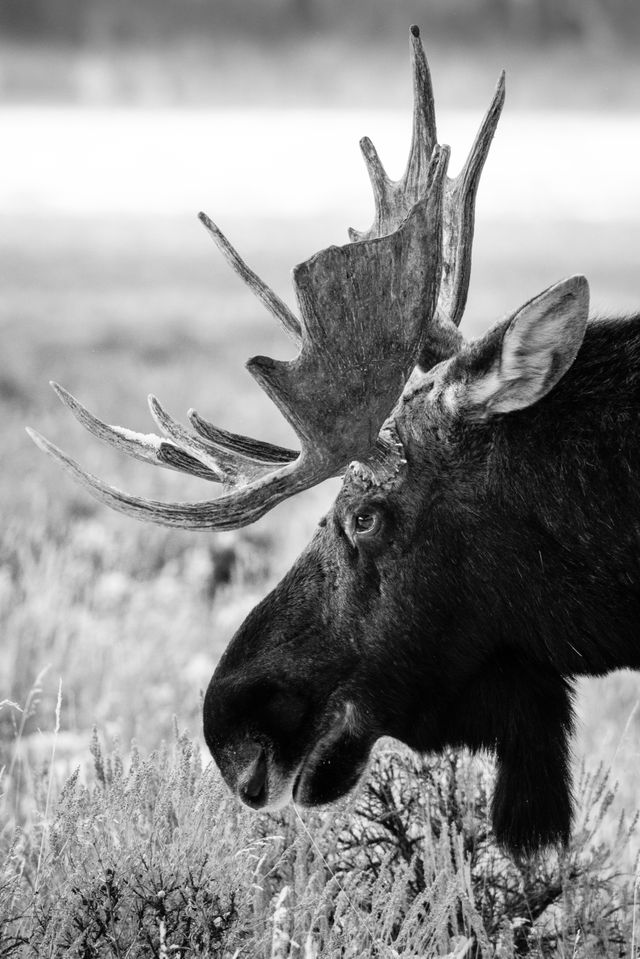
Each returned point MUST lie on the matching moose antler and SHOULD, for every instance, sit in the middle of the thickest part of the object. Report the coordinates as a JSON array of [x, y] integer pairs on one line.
[[361, 330], [394, 198], [369, 311]]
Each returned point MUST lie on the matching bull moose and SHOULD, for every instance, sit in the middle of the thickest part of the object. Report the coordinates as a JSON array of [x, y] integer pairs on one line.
[[484, 548]]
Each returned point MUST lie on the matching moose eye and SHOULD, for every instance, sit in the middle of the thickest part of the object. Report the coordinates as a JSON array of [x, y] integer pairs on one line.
[[366, 524]]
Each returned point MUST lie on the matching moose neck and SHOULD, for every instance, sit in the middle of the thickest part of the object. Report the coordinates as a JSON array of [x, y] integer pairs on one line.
[[543, 549], [571, 463]]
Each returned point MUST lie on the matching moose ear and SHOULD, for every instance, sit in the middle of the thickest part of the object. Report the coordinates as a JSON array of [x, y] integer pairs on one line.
[[536, 348]]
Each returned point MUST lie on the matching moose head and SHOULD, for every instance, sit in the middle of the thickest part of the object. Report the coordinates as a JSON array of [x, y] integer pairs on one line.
[[476, 558]]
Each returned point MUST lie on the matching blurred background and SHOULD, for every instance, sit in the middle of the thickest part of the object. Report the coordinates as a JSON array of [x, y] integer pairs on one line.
[[301, 51], [120, 119]]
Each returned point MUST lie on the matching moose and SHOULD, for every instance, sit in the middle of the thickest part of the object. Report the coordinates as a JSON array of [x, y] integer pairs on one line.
[[484, 548]]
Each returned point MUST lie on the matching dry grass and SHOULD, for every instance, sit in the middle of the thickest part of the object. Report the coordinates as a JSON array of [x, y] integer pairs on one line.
[[153, 857]]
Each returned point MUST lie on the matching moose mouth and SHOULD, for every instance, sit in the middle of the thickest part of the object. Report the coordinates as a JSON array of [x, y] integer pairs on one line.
[[330, 768], [334, 764]]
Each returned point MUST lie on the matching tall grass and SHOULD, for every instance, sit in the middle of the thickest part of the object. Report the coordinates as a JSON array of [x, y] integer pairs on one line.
[[149, 855]]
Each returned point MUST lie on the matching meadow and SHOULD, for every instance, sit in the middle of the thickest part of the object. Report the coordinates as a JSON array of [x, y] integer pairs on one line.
[[116, 836]]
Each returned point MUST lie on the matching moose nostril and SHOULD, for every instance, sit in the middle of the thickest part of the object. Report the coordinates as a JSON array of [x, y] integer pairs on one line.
[[254, 788]]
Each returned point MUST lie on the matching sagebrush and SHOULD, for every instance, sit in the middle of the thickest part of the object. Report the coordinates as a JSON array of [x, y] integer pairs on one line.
[[150, 856]]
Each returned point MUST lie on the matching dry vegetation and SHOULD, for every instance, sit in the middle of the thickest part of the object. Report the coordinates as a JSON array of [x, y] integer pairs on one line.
[[153, 858], [120, 850]]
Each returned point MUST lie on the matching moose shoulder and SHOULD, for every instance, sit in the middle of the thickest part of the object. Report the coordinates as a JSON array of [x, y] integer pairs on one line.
[[485, 546]]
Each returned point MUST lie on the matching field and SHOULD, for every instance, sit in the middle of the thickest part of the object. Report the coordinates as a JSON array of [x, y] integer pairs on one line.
[[109, 624]]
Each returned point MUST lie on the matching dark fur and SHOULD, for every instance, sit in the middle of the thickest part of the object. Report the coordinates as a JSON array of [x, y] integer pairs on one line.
[[508, 562]]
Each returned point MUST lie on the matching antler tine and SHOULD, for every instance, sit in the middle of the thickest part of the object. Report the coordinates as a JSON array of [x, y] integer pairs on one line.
[[245, 446], [443, 338], [241, 458], [424, 136], [380, 182], [181, 450], [459, 215], [193, 445], [271, 300], [143, 446], [239, 508], [394, 198]]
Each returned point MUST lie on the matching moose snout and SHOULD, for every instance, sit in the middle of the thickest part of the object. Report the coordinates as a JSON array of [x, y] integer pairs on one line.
[[252, 782]]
